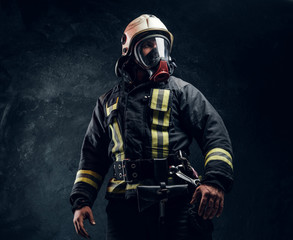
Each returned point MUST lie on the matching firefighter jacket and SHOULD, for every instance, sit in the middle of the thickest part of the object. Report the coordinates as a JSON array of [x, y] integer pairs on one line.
[[151, 120]]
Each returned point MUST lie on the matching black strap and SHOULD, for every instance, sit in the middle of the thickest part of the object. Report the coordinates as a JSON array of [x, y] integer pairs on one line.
[[133, 170], [141, 169]]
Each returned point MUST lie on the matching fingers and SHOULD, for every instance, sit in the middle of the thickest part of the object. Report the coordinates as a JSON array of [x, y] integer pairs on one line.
[[79, 228], [78, 219], [82, 230], [213, 210], [75, 226], [209, 208], [91, 217], [211, 201], [203, 203], [221, 207]]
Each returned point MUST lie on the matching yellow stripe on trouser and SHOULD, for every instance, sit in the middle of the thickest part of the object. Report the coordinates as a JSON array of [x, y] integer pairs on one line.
[[160, 123], [117, 149], [219, 154]]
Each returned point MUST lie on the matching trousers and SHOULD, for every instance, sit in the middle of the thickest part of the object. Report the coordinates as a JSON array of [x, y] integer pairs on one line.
[[125, 222]]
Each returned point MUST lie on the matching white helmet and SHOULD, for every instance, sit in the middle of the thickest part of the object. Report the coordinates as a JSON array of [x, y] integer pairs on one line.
[[140, 27]]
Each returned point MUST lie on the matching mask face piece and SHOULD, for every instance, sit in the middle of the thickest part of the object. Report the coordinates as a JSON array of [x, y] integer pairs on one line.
[[152, 54], [151, 49]]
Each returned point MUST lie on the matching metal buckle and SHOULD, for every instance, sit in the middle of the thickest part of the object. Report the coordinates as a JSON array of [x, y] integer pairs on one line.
[[124, 170]]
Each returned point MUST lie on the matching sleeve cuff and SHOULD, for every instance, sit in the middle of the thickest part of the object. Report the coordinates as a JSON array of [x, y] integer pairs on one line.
[[80, 203]]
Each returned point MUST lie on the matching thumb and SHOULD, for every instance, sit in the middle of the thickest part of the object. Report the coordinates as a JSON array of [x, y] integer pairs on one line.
[[91, 217]]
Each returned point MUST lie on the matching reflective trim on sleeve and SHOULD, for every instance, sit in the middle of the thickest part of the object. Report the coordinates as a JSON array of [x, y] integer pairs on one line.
[[90, 172], [87, 180], [117, 149], [219, 154], [219, 150], [88, 176]]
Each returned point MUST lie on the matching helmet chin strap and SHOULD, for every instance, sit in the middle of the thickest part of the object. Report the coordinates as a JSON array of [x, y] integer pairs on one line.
[[162, 73]]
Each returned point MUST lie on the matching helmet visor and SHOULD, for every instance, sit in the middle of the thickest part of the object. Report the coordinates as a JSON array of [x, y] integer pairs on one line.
[[150, 50]]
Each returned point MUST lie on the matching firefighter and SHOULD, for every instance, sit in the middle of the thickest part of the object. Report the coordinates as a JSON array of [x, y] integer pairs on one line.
[[143, 128]]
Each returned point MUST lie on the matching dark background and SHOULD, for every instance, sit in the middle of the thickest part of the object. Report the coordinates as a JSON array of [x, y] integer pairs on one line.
[[57, 57]]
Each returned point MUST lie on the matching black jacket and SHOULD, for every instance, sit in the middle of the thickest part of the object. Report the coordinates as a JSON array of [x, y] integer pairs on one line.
[[151, 120]]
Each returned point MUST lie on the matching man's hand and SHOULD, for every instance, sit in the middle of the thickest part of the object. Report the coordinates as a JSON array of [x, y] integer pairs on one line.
[[211, 201], [79, 216]]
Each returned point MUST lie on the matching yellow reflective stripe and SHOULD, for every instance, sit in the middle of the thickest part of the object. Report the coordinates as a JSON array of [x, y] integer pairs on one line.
[[219, 150], [89, 172], [160, 122], [154, 142], [165, 143], [117, 188], [131, 186], [166, 121], [154, 98], [219, 158], [120, 148], [162, 96], [117, 149], [163, 137], [156, 117], [165, 102], [113, 138], [87, 180], [112, 107], [161, 118]]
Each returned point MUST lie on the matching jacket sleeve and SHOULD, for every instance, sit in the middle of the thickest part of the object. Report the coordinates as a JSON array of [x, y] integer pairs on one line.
[[208, 129], [94, 162]]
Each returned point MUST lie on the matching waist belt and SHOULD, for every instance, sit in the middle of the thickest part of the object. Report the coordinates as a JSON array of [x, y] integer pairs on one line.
[[133, 170], [140, 169]]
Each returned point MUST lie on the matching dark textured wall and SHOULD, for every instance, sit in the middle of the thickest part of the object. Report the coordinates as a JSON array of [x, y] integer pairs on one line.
[[57, 57]]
